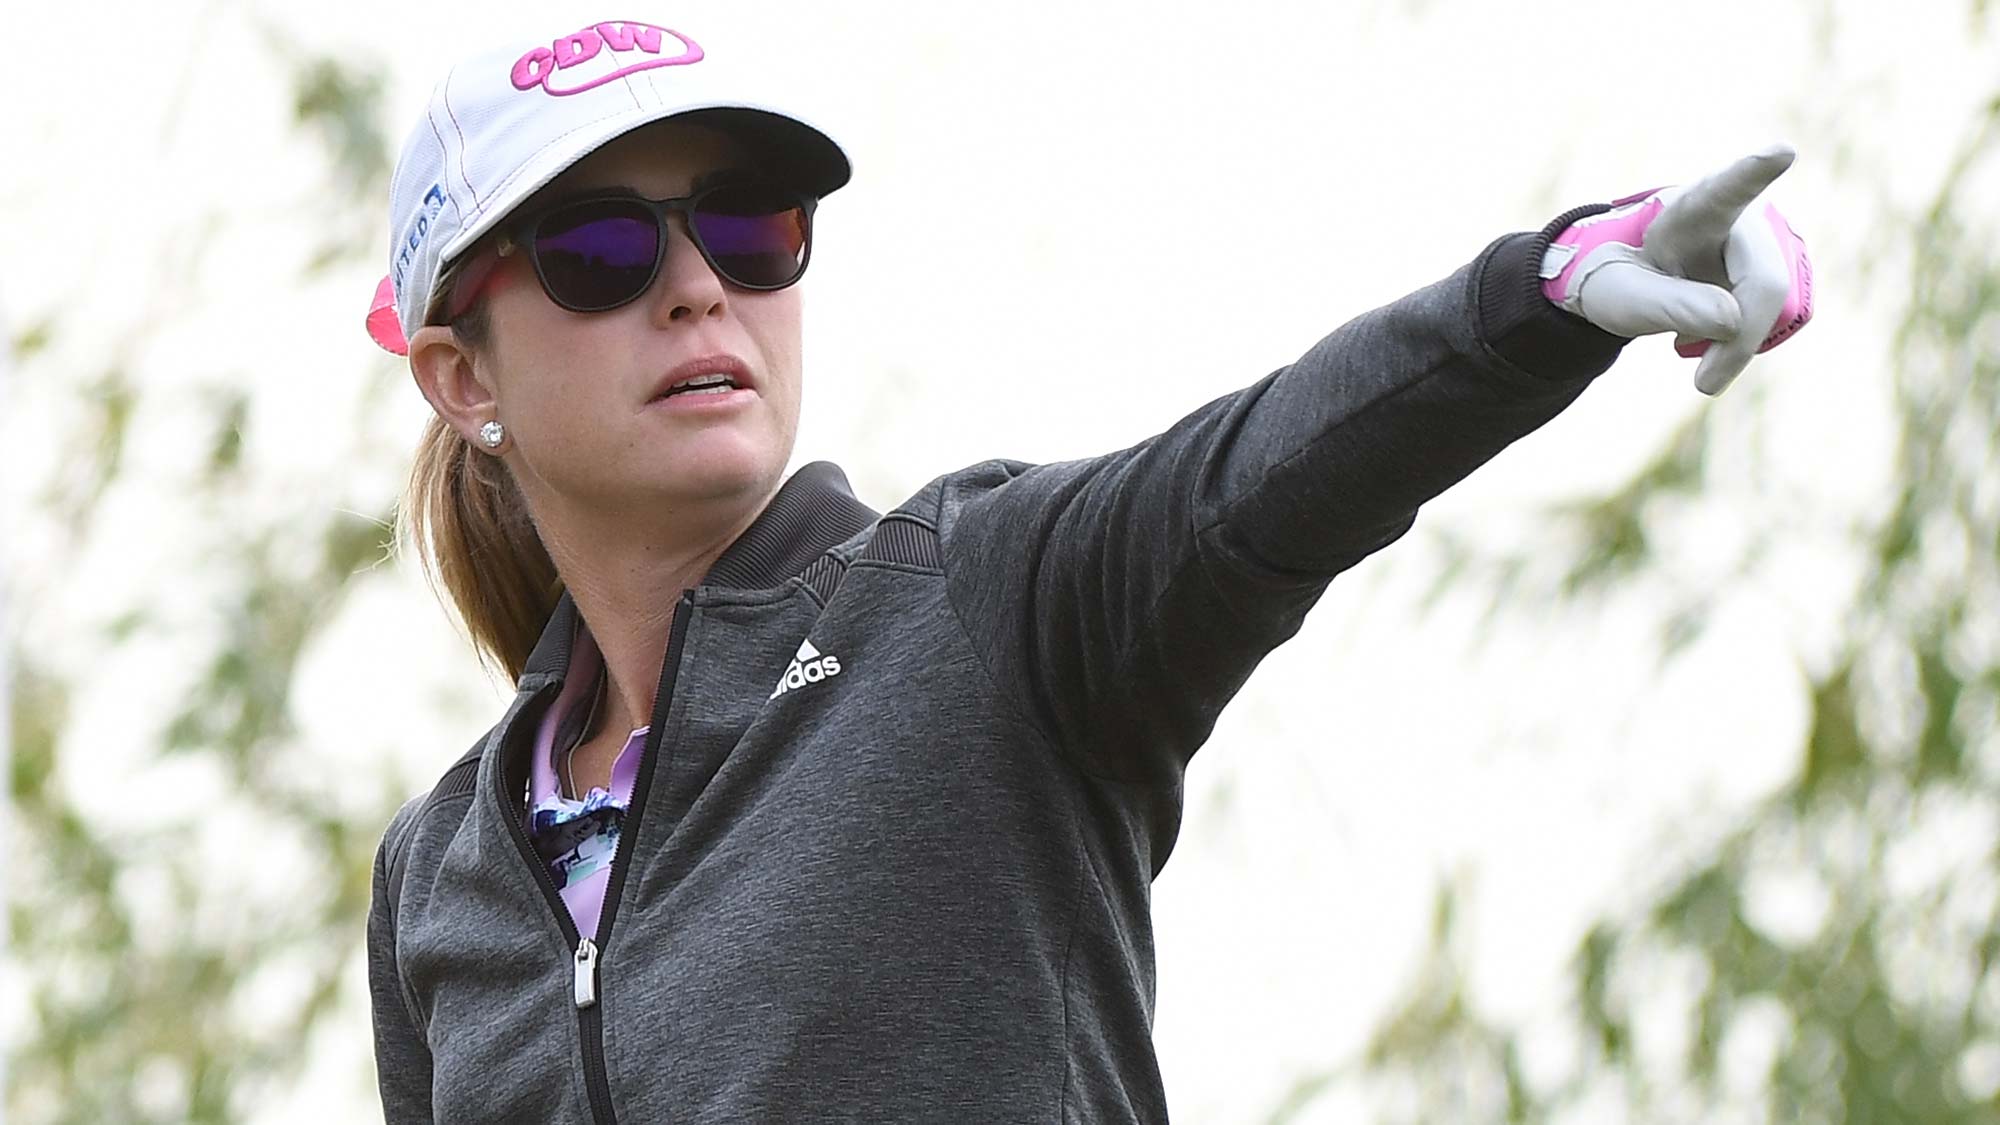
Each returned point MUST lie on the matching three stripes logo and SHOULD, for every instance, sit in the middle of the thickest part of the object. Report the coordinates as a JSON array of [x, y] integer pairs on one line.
[[810, 666]]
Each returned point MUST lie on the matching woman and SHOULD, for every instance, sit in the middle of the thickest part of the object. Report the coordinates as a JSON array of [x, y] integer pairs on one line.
[[803, 811]]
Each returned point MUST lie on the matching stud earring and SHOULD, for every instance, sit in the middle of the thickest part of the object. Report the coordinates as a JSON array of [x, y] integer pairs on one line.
[[492, 433]]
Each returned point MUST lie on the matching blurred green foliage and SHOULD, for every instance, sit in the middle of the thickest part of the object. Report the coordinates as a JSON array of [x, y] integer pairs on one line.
[[1883, 1004], [154, 996]]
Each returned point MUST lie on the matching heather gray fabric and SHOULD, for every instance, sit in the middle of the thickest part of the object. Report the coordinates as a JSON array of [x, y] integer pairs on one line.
[[918, 889]]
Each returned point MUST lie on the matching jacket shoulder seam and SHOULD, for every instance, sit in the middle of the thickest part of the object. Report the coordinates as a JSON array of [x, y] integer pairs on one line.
[[1013, 702], [1021, 708]]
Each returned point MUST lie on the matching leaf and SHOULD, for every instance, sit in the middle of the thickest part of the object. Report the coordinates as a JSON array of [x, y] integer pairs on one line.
[[1940, 749], [225, 452], [32, 340], [1835, 750]]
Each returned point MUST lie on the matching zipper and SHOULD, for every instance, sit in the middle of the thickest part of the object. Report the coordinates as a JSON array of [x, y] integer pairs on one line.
[[590, 1026], [585, 987]]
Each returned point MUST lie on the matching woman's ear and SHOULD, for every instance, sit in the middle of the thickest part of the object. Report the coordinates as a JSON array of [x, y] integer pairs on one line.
[[442, 366]]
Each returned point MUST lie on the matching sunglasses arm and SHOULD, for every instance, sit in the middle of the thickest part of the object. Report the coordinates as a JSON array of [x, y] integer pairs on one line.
[[478, 276]]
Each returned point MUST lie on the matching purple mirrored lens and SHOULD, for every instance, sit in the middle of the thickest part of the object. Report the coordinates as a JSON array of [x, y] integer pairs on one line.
[[598, 256], [756, 238]]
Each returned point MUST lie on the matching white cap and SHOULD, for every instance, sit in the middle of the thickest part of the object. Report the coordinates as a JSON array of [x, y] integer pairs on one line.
[[505, 122]]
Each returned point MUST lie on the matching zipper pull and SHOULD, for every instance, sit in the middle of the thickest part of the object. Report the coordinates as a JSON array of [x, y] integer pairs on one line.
[[586, 973]]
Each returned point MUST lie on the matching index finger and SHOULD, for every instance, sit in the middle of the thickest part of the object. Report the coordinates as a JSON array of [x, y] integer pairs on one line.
[[1702, 215]]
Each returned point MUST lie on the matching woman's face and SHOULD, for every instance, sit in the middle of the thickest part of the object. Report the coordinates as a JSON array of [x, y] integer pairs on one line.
[[579, 393]]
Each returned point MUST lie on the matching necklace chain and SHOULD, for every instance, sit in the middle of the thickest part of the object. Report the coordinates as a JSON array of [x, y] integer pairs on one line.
[[589, 721]]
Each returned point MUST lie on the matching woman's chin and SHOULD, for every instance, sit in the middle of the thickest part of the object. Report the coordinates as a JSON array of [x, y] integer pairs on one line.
[[716, 466]]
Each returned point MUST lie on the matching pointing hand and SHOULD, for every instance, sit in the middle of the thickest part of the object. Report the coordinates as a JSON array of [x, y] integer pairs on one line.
[[1698, 261]]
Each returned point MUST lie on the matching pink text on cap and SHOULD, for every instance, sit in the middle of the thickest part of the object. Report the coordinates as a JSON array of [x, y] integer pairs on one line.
[[539, 66]]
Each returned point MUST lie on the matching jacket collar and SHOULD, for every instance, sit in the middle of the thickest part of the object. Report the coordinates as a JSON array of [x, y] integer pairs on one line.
[[814, 511]]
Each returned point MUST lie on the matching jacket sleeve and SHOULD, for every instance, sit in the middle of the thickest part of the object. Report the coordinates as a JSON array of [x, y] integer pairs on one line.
[[1126, 598], [402, 1057]]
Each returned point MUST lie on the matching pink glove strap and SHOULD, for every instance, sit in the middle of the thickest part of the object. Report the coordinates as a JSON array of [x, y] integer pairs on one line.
[[1626, 222]]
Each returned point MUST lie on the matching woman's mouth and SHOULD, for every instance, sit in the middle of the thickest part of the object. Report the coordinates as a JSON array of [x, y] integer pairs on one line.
[[714, 384]]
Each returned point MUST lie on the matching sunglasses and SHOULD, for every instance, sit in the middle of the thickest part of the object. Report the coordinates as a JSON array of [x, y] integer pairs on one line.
[[597, 252]]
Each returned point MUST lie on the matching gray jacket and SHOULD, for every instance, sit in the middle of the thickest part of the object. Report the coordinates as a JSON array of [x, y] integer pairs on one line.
[[913, 884]]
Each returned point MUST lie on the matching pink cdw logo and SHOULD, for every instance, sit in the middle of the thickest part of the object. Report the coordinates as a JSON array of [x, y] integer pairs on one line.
[[540, 66]]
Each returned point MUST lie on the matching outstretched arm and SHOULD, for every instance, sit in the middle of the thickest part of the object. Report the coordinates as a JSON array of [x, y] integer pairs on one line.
[[1127, 597]]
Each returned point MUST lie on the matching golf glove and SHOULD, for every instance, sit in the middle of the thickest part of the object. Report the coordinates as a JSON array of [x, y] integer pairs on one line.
[[1729, 279]]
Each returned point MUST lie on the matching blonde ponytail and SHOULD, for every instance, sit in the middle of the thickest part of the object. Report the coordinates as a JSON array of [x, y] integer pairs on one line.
[[474, 537], [473, 533]]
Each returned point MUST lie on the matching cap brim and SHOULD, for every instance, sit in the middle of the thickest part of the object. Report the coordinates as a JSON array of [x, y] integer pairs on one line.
[[806, 157], [791, 147]]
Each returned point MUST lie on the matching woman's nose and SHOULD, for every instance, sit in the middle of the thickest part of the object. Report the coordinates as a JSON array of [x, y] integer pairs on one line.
[[686, 287]]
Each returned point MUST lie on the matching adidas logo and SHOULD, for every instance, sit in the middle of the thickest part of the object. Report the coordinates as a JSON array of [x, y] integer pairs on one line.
[[808, 667]]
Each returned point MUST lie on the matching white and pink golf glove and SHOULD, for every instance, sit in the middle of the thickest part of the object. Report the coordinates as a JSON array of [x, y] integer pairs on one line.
[[1729, 280]]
